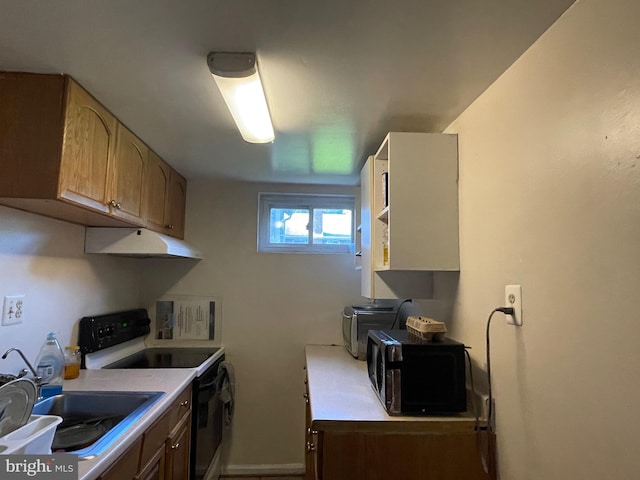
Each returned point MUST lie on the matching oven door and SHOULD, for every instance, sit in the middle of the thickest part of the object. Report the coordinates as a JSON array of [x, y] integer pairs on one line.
[[207, 422]]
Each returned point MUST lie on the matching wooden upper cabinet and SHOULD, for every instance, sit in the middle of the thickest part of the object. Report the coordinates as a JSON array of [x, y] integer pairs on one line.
[[157, 186], [176, 203], [87, 150], [64, 155], [129, 167], [166, 193]]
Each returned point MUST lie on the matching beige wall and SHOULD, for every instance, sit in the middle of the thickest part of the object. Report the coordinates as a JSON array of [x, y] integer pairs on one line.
[[272, 305], [550, 199], [44, 259]]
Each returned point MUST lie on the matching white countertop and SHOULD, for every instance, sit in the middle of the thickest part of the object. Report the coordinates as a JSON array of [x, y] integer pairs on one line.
[[341, 398], [171, 381]]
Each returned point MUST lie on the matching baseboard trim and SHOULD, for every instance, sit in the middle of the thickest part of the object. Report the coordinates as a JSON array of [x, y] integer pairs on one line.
[[281, 470]]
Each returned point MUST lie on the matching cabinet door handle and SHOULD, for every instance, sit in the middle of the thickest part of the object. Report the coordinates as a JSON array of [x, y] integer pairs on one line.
[[311, 432], [169, 226], [185, 403], [115, 204], [176, 446], [311, 447]]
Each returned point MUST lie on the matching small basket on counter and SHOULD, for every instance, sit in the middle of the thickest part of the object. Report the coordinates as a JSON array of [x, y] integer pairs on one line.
[[426, 329]]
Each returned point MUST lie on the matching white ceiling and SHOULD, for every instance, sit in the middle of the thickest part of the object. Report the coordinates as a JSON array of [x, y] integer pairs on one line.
[[338, 74]]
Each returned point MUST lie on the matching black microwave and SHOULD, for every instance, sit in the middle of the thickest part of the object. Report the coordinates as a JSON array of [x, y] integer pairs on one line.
[[414, 377]]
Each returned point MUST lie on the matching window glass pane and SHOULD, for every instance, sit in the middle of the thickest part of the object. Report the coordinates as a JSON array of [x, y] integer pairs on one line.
[[301, 223], [332, 226], [289, 226]]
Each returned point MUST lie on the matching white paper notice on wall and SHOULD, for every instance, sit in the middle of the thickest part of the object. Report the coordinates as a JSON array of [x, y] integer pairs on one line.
[[184, 317]]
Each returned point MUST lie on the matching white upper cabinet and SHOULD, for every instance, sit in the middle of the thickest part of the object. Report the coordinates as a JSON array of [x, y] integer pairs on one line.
[[409, 214]]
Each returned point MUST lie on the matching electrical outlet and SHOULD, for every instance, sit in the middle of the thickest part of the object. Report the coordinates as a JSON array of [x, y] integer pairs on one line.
[[513, 298], [13, 310]]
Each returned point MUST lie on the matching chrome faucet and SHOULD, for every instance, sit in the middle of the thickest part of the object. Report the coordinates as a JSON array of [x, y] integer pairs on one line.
[[36, 378]]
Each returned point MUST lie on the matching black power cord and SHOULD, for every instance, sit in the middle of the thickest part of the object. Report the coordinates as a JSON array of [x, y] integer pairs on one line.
[[395, 320], [473, 390], [506, 311]]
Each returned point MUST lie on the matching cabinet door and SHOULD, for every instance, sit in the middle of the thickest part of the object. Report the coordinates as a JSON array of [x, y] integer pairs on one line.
[[366, 241], [177, 466], [130, 161], [422, 174], [87, 151], [387, 284], [125, 467], [176, 203], [155, 469], [312, 452], [157, 187]]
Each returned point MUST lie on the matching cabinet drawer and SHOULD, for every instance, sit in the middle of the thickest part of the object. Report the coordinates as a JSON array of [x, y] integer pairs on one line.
[[180, 406]]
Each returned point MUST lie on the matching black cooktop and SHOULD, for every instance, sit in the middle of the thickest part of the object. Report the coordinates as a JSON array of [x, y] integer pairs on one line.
[[165, 357]]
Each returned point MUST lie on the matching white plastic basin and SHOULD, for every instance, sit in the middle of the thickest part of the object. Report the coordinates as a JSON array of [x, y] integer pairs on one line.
[[33, 438]]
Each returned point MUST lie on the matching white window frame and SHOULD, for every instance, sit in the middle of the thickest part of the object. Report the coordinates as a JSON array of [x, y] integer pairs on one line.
[[267, 201]]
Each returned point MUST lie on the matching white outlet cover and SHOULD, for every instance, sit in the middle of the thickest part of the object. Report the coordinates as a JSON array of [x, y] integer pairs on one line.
[[13, 310], [513, 298]]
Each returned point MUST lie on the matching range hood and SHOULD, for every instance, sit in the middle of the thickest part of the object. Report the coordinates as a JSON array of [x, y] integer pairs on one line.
[[136, 242]]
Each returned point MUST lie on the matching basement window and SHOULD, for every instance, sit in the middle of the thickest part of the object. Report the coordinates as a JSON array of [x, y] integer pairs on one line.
[[301, 223]]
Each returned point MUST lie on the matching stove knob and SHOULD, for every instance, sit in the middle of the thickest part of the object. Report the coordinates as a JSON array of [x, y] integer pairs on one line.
[[109, 330], [100, 332]]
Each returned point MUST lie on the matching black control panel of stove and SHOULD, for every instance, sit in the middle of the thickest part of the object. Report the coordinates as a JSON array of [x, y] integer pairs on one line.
[[103, 331]]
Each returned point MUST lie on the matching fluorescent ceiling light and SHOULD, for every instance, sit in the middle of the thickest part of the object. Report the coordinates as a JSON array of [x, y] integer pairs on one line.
[[237, 77]]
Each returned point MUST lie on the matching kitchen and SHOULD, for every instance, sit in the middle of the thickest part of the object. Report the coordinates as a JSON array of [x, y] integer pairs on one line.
[[548, 197]]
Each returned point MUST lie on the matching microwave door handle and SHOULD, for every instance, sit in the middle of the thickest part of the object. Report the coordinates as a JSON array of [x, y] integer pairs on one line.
[[354, 328], [351, 323]]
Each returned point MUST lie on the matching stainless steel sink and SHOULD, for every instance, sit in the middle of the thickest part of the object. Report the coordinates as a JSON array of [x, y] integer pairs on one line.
[[92, 421]]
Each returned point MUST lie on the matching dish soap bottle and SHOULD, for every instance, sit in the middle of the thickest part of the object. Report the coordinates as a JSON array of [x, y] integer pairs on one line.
[[50, 366]]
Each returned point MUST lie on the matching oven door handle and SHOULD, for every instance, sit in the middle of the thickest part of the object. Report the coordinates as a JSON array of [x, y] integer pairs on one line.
[[214, 382]]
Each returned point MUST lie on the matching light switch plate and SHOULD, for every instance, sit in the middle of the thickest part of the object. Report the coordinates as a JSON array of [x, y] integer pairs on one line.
[[13, 310]]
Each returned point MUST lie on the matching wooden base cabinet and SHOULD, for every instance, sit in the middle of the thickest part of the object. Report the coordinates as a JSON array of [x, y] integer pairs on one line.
[[367, 456], [349, 435], [312, 442], [162, 452], [64, 155]]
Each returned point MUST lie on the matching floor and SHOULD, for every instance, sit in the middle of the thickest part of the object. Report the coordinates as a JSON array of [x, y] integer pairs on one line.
[[299, 477]]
